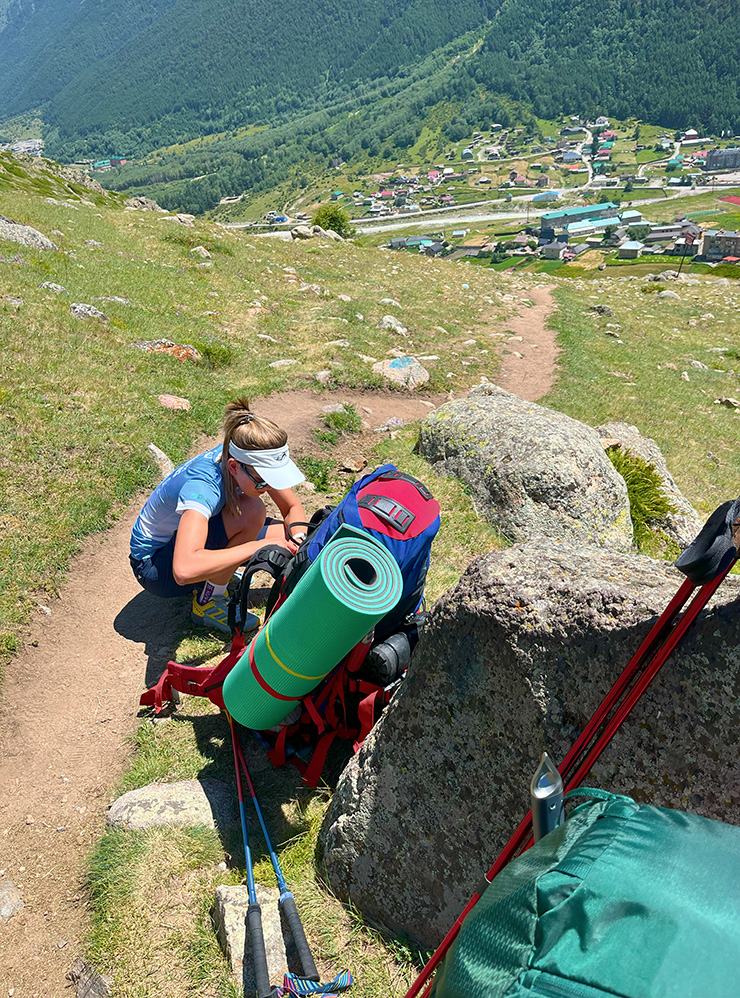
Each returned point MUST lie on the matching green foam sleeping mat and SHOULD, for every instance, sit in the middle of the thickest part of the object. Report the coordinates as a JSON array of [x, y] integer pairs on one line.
[[351, 586]]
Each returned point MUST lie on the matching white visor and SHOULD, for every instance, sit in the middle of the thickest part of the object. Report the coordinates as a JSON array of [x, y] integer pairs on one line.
[[274, 466]]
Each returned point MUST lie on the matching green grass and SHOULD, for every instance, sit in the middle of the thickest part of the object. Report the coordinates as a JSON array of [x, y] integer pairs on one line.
[[347, 421], [648, 502], [696, 437], [81, 404]]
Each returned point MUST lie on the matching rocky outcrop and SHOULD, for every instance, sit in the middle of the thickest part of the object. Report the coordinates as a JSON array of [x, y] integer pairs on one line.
[[532, 471], [15, 232], [514, 660], [684, 523], [142, 204], [314, 232]]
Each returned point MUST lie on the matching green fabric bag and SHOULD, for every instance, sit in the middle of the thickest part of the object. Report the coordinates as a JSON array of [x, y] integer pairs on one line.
[[622, 899]]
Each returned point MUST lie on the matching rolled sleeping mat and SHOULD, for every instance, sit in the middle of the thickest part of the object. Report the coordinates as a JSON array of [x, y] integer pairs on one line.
[[352, 585]]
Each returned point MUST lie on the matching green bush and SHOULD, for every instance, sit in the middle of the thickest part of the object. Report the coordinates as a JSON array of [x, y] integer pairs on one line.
[[329, 216], [648, 502]]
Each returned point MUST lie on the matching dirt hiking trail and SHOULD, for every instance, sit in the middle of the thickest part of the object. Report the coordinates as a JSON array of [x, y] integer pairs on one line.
[[70, 697], [529, 356]]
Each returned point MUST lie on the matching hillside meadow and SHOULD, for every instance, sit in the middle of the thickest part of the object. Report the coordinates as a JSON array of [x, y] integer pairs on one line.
[[81, 404]]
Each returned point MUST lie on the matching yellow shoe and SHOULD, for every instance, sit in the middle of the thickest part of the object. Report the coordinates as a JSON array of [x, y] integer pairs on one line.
[[214, 614]]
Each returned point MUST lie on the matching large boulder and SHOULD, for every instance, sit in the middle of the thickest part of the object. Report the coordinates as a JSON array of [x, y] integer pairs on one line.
[[515, 659], [26, 235], [533, 472], [683, 523]]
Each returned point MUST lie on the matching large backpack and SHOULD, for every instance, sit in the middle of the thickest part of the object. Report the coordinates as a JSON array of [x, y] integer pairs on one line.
[[399, 512], [622, 899]]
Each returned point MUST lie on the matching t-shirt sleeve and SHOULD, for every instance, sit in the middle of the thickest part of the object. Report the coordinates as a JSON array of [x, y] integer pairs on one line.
[[200, 495]]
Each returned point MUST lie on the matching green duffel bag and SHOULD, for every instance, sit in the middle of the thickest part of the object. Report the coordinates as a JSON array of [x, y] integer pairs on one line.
[[622, 899]]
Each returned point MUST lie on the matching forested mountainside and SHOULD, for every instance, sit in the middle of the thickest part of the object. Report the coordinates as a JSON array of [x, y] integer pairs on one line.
[[672, 62], [132, 75]]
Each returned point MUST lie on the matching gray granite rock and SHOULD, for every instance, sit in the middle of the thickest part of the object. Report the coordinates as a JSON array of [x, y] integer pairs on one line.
[[392, 323], [56, 289], [82, 311], [201, 252], [16, 232], [190, 803], [684, 524], [533, 472], [11, 901], [514, 660], [229, 915]]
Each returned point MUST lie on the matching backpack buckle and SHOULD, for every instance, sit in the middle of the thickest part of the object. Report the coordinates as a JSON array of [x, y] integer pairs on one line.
[[389, 511]]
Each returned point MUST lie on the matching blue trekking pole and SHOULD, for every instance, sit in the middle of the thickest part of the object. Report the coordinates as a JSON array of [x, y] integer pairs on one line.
[[287, 901], [254, 912]]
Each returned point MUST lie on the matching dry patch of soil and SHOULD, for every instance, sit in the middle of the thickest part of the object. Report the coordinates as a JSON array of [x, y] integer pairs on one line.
[[529, 355]]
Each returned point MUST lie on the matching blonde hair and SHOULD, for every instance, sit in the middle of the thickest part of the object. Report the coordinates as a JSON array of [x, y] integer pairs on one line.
[[251, 432]]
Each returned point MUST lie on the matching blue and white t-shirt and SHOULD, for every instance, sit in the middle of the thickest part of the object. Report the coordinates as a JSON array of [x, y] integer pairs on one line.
[[196, 484]]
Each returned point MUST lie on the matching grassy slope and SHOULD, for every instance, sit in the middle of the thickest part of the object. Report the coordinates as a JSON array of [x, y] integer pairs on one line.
[[82, 405], [82, 401]]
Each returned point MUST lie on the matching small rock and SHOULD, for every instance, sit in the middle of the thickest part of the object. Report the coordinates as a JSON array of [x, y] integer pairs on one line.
[[359, 316], [602, 309], [390, 322], [205, 803], [392, 423], [16, 232], [431, 356], [82, 311], [164, 463], [114, 298], [200, 251], [344, 297], [728, 403], [338, 343], [283, 363], [323, 377], [668, 367], [334, 407], [230, 917], [11, 901], [182, 351], [669, 294], [174, 402], [89, 983], [61, 943], [94, 243], [698, 365], [685, 376], [12, 300], [55, 289], [367, 358], [391, 301]]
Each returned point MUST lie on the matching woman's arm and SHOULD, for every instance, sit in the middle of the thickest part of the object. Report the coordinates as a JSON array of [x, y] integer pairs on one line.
[[290, 507], [193, 562]]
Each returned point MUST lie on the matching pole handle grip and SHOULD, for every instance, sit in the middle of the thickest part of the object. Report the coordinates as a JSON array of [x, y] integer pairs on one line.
[[287, 903], [259, 956]]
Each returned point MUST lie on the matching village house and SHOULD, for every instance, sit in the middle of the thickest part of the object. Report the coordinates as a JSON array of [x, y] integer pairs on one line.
[[553, 251], [630, 250], [720, 244]]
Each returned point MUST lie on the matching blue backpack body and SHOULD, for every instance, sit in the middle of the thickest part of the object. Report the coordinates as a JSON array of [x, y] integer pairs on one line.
[[397, 511]]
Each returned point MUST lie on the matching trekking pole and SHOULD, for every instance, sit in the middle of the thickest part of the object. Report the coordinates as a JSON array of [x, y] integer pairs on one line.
[[287, 901], [254, 912]]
